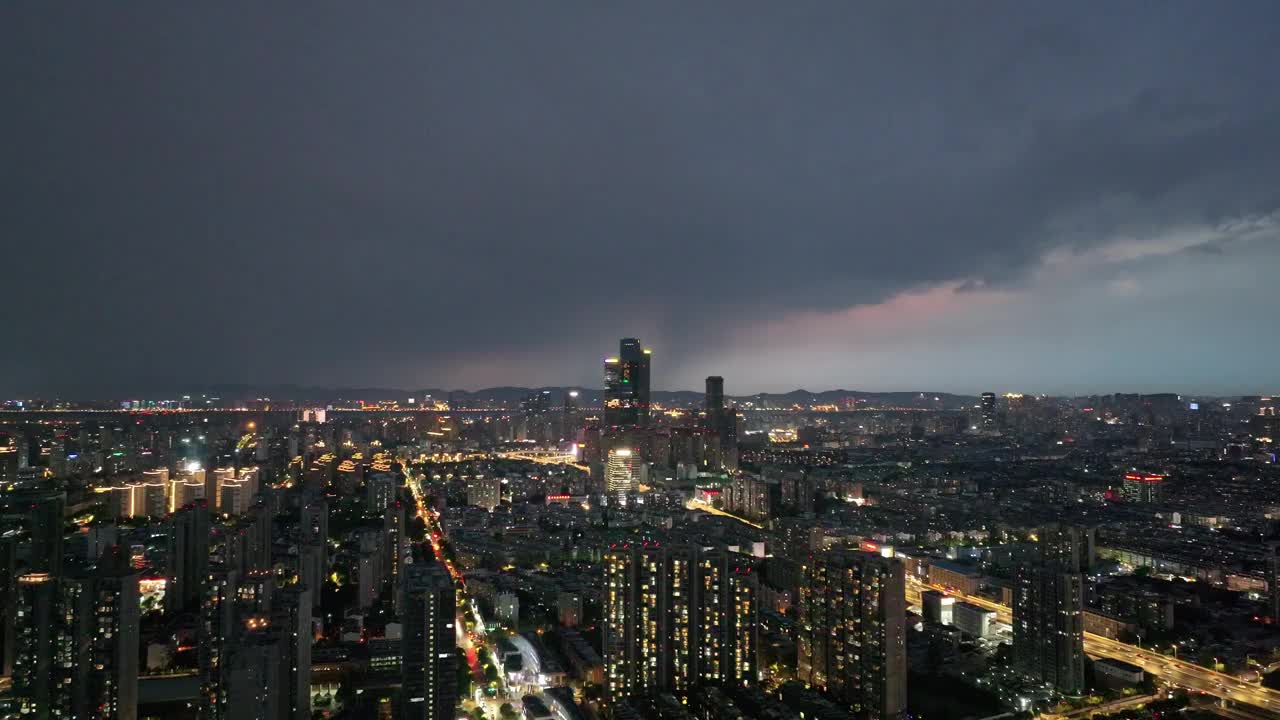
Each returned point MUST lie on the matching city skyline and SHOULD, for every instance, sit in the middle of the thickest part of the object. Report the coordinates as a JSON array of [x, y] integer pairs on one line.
[[822, 196], [729, 360]]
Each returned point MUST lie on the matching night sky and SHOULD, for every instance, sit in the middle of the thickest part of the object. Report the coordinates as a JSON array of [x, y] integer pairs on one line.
[[1040, 197]]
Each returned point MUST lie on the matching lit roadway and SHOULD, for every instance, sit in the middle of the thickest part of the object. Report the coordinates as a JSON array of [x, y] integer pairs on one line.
[[704, 507], [435, 537], [1177, 672]]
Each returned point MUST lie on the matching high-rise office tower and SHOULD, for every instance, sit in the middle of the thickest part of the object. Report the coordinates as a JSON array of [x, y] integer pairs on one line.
[[722, 423], [851, 634], [676, 618], [427, 685], [394, 523], [626, 386], [188, 556], [988, 408], [569, 415], [1048, 613], [622, 473]]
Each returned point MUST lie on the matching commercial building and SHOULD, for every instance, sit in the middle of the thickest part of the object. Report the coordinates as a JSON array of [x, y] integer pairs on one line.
[[988, 410], [722, 423], [937, 607], [973, 620], [1140, 487], [963, 579], [1117, 674], [622, 473], [626, 386]]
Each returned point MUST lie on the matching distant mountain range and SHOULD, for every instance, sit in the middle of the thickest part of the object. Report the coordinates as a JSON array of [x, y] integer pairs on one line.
[[511, 396]]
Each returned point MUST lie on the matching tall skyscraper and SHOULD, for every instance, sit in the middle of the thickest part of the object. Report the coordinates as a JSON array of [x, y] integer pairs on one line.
[[676, 618], [988, 408], [34, 668], [722, 424], [851, 631], [626, 386], [1048, 613], [314, 550], [111, 690], [215, 640], [255, 646], [291, 615], [428, 688], [188, 555], [77, 641], [394, 523], [622, 473], [569, 415]]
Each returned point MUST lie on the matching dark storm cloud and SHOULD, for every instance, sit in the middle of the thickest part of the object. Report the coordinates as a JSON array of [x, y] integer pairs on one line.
[[465, 193]]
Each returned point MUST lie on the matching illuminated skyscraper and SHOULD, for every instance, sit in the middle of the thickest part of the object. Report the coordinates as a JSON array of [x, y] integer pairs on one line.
[[988, 411], [851, 634], [722, 423], [1048, 613], [675, 618], [569, 416], [622, 473], [77, 641], [35, 673], [215, 640], [111, 690], [626, 386], [428, 688]]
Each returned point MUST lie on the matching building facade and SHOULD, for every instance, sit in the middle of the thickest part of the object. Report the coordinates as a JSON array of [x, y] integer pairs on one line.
[[851, 631]]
